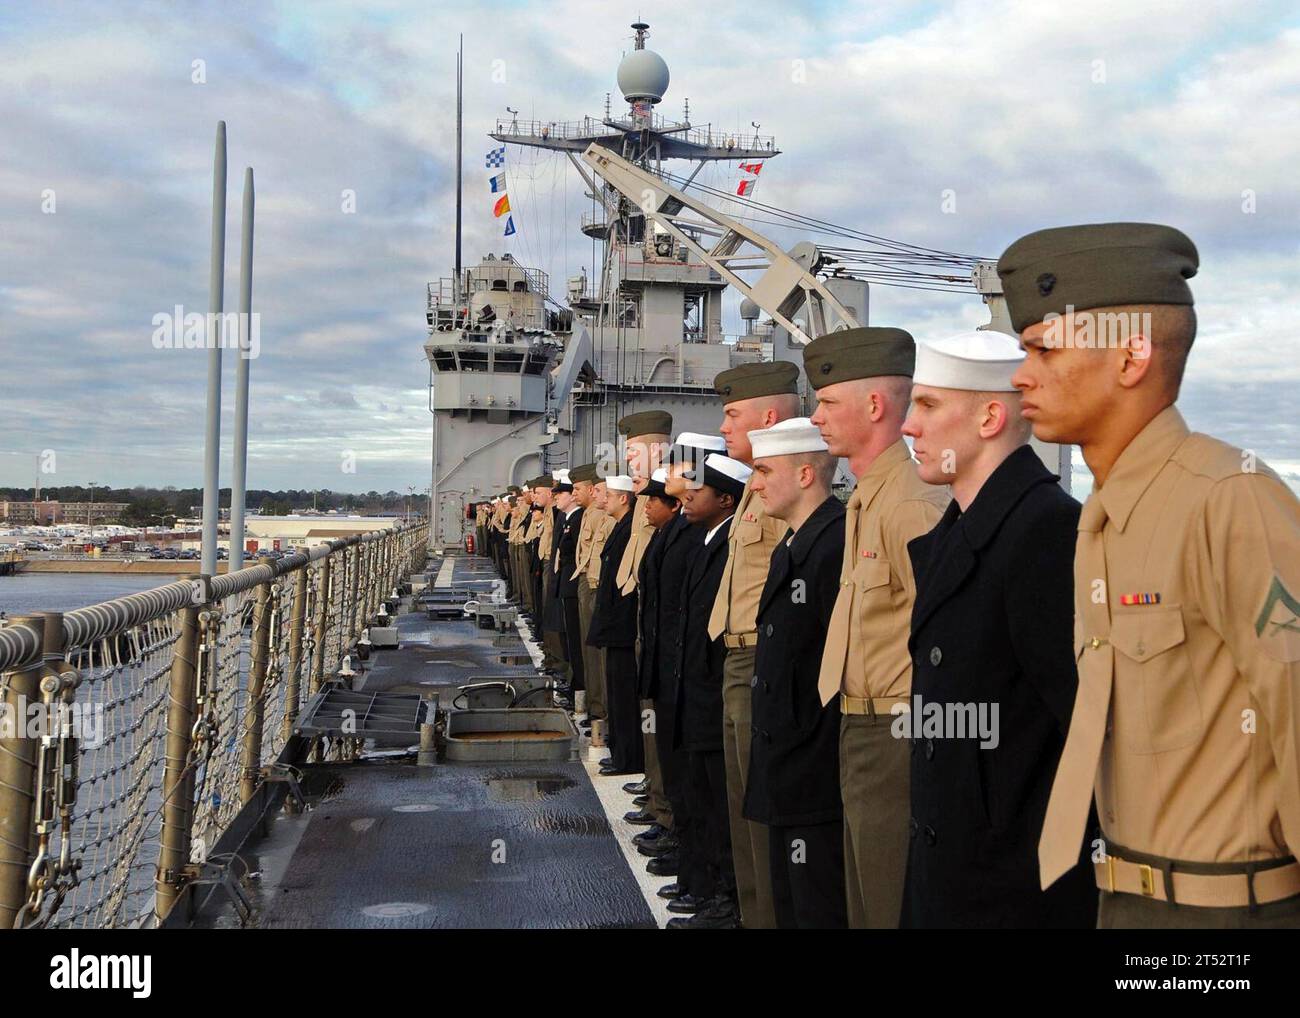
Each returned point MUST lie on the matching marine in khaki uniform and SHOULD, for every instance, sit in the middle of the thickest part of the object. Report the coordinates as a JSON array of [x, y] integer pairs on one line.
[[584, 493], [754, 396], [646, 440], [518, 523], [863, 379], [1186, 595], [590, 545]]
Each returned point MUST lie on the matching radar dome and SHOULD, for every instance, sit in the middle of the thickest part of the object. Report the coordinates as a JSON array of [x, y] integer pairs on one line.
[[748, 310], [642, 74]]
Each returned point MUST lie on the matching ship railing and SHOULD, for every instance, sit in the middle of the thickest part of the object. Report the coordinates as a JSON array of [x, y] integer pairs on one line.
[[707, 136], [137, 735]]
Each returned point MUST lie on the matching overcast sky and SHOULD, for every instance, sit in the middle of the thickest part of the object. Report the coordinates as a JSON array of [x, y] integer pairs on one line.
[[1032, 114]]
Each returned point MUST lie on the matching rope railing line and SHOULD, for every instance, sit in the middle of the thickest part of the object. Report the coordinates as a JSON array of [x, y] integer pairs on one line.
[[18, 644], [116, 825]]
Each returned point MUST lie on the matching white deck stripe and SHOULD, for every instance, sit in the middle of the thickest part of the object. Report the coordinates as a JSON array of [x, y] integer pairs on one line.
[[615, 802], [444, 573]]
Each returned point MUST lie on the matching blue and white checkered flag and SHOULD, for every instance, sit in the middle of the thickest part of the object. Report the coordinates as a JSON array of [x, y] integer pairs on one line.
[[497, 157]]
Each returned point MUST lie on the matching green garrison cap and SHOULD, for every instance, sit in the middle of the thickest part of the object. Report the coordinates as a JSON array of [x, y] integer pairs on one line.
[[1095, 266], [514, 489], [647, 422], [545, 481], [766, 378], [586, 472], [865, 352]]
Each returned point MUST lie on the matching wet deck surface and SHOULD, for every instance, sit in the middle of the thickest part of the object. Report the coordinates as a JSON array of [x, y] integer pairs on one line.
[[392, 845]]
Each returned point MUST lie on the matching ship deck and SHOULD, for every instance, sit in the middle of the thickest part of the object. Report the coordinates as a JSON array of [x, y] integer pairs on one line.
[[386, 843]]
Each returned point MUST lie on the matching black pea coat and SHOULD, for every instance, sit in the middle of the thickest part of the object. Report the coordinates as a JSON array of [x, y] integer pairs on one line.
[[664, 575], [613, 615], [794, 763], [993, 625], [566, 542], [553, 570], [647, 584], [698, 662]]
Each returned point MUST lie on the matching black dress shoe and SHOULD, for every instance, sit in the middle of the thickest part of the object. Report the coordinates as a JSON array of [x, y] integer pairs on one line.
[[663, 865], [637, 787], [640, 800], [640, 817], [712, 917], [670, 891], [607, 762], [660, 846], [649, 834], [610, 771], [686, 904]]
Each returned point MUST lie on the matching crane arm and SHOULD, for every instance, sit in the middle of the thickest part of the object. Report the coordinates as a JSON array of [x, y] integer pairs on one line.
[[789, 277]]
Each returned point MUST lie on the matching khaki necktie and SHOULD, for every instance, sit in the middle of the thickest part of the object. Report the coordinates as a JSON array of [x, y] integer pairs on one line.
[[625, 577], [722, 602], [836, 652], [1067, 809]]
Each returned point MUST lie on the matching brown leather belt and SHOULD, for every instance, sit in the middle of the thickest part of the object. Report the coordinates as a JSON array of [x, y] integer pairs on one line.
[[870, 705], [1257, 885], [738, 641]]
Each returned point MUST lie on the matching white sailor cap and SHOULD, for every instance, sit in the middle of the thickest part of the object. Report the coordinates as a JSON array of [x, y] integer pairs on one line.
[[660, 474], [562, 482], [725, 474], [619, 482], [979, 361], [795, 435], [696, 440]]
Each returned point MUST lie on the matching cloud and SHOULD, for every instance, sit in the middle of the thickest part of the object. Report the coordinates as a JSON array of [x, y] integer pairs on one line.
[[1028, 113]]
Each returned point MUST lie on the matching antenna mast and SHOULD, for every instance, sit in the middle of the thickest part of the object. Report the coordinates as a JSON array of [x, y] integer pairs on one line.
[[460, 63]]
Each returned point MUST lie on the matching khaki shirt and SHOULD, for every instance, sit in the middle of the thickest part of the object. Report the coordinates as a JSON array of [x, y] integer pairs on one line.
[[751, 538], [535, 523], [866, 645], [592, 521], [517, 518], [597, 546], [547, 534], [630, 565], [1187, 718]]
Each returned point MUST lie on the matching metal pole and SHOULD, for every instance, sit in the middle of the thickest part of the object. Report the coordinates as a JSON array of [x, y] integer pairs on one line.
[[322, 617], [297, 625], [239, 478], [178, 777], [259, 655], [212, 433], [18, 691], [354, 615]]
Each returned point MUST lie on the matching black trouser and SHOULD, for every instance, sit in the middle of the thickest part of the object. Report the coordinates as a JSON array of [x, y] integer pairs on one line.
[[693, 875], [573, 640], [623, 709], [708, 791], [808, 876]]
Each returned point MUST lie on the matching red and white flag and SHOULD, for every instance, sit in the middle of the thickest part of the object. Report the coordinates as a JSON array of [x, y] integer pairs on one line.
[[746, 187], [754, 168]]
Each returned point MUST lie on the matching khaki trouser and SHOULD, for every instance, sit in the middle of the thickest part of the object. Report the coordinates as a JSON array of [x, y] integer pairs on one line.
[[875, 784], [593, 658], [1132, 912], [657, 803], [749, 851]]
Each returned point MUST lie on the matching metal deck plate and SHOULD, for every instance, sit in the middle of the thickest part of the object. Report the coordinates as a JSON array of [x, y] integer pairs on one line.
[[341, 712]]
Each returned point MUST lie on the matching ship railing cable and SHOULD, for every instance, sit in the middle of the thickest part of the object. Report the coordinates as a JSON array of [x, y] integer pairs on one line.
[[98, 790]]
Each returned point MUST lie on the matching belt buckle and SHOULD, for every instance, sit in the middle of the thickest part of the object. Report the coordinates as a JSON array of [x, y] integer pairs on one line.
[[1147, 879]]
